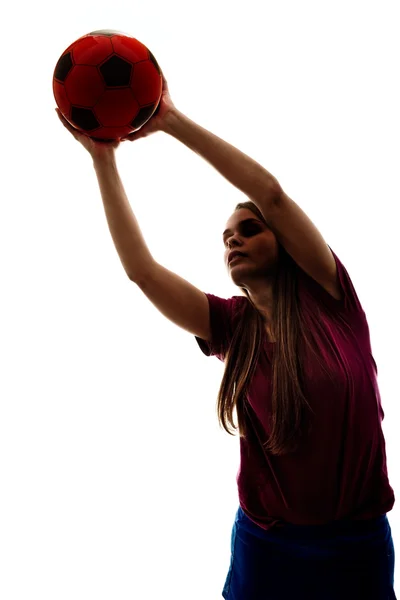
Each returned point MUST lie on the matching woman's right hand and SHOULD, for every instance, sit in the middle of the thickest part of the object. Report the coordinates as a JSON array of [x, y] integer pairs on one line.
[[157, 120], [96, 148]]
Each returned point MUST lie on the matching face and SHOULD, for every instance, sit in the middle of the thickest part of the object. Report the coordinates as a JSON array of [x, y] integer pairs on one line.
[[246, 233]]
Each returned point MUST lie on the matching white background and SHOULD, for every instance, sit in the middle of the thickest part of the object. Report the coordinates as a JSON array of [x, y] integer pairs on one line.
[[116, 481]]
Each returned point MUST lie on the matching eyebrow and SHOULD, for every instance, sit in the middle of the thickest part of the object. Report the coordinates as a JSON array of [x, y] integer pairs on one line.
[[241, 223]]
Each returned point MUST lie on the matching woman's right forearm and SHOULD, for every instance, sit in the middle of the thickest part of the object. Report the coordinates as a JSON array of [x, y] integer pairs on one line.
[[124, 228]]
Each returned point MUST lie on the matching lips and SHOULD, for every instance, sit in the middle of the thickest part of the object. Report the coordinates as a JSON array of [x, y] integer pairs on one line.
[[233, 254]]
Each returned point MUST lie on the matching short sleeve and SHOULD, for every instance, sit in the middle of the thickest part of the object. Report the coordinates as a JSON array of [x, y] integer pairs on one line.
[[223, 313], [349, 303]]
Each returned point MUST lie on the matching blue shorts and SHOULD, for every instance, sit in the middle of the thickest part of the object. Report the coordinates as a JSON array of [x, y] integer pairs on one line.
[[341, 561]]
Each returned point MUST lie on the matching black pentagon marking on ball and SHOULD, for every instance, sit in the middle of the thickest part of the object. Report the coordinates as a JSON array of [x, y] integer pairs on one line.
[[143, 115], [116, 71], [63, 67], [155, 63], [103, 140], [84, 118]]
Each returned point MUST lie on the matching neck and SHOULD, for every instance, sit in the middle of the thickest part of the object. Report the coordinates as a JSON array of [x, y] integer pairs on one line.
[[264, 303]]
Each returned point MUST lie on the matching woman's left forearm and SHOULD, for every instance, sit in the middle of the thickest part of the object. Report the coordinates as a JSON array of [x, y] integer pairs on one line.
[[239, 169]]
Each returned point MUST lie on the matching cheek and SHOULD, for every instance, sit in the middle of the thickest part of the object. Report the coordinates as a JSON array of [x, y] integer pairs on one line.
[[267, 243], [273, 243], [267, 251]]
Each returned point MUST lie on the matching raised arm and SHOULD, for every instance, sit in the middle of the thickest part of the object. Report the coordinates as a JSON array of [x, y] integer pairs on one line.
[[177, 299], [129, 242], [239, 169], [293, 228]]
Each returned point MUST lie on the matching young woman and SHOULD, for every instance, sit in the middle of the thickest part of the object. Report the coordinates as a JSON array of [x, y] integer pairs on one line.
[[313, 484]]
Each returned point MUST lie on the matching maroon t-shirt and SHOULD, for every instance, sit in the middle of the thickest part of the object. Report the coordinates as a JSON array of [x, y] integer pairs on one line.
[[339, 471]]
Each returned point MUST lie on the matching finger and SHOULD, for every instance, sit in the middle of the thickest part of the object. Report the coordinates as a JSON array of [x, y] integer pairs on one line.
[[165, 82], [66, 124], [132, 137], [61, 116], [64, 121]]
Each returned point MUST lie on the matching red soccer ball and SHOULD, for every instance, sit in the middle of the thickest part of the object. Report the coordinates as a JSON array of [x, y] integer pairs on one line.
[[107, 84]]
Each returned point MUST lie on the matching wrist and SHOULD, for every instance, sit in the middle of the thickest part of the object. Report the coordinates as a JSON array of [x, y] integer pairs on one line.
[[172, 120], [103, 158]]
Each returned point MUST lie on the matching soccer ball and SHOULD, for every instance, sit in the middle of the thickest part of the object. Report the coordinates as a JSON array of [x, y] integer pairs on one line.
[[107, 84]]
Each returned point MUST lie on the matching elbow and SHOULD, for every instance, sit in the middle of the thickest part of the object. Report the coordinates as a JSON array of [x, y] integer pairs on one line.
[[268, 197]]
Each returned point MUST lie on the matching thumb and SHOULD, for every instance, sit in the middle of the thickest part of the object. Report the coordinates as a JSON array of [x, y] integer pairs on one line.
[[136, 135]]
